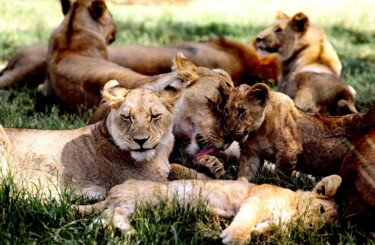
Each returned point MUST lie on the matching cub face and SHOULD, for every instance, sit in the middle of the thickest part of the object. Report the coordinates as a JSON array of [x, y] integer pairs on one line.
[[282, 36], [245, 111], [140, 120], [95, 16]]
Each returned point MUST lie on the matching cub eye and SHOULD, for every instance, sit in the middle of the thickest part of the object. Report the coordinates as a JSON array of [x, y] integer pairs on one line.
[[155, 117], [277, 29], [241, 112], [126, 118], [322, 210], [226, 111]]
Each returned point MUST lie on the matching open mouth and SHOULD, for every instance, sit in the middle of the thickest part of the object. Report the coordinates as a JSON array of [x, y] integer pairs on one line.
[[269, 50], [205, 148]]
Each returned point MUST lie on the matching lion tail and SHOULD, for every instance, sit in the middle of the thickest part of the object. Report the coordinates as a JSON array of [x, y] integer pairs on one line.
[[92, 208]]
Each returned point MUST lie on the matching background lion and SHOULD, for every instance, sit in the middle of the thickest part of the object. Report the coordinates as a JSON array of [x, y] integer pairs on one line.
[[256, 208], [269, 127], [133, 141], [77, 59], [310, 71]]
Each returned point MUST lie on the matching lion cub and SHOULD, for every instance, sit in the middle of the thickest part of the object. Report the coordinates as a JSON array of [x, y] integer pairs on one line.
[[256, 208], [269, 127], [310, 66]]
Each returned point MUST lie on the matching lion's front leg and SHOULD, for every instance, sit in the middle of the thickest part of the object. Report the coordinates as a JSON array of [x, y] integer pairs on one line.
[[250, 163], [285, 165], [182, 172], [244, 222], [210, 165], [91, 192]]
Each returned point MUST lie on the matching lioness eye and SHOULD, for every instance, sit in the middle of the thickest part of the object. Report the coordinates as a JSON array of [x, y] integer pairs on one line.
[[126, 118], [322, 210], [241, 111], [277, 29], [155, 117]]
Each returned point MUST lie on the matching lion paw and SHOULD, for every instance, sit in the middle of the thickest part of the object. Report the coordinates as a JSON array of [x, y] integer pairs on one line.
[[211, 165], [230, 236]]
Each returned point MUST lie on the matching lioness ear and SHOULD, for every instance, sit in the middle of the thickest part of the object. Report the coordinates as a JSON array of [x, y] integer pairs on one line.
[[281, 15], [224, 76], [65, 4], [114, 93], [260, 92], [187, 71], [300, 22], [328, 185], [97, 8]]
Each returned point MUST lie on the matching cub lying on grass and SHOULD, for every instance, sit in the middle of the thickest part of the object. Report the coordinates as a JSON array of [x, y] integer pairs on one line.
[[256, 208], [310, 70], [133, 141], [269, 127]]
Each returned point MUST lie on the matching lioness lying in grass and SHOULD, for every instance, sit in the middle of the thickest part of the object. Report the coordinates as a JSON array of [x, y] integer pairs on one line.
[[256, 208]]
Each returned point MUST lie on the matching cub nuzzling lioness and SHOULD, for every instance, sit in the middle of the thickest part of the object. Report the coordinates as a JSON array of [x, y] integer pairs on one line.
[[133, 141], [256, 208], [310, 69], [270, 127]]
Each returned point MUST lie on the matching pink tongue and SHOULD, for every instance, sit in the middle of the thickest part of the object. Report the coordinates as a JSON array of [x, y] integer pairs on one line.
[[205, 152]]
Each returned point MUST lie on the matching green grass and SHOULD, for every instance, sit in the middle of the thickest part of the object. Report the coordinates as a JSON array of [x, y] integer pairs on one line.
[[28, 219]]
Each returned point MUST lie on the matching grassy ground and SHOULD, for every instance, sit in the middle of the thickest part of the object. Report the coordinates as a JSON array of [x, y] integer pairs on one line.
[[28, 219]]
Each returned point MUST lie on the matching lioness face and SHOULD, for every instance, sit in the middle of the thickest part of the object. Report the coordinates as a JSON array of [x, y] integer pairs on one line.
[[96, 16], [202, 109], [140, 120], [245, 111], [281, 37]]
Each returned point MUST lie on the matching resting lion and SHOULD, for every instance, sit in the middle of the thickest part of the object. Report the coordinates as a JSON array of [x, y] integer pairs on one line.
[[310, 70], [77, 58], [199, 116], [269, 127], [240, 60], [256, 208], [133, 141]]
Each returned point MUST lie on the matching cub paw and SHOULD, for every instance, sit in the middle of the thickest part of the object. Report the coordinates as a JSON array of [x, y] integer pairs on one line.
[[210, 165], [230, 236]]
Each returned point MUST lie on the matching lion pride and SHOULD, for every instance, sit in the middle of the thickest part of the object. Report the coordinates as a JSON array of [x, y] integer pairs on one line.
[[77, 58], [310, 71]]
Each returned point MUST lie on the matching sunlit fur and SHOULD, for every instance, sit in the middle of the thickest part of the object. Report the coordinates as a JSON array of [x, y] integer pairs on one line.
[[310, 66], [255, 208]]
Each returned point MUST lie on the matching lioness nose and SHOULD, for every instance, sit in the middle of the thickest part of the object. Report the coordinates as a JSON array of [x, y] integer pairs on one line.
[[141, 141], [259, 39]]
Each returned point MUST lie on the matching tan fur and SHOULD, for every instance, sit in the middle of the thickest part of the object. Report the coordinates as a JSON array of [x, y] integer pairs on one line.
[[77, 59], [198, 113], [270, 127], [240, 60], [255, 208], [133, 141], [310, 66]]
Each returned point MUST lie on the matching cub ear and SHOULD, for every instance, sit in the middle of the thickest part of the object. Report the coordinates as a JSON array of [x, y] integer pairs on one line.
[[260, 92], [114, 93], [223, 75], [328, 186], [187, 71], [97, 9], [170, 98], [65, 4], [281, 15], [300, 22]]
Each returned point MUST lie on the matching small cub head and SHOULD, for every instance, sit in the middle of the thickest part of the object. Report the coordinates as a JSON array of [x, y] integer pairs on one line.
[[318, 204], [245, 111], [140, 120], [281, 37]]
